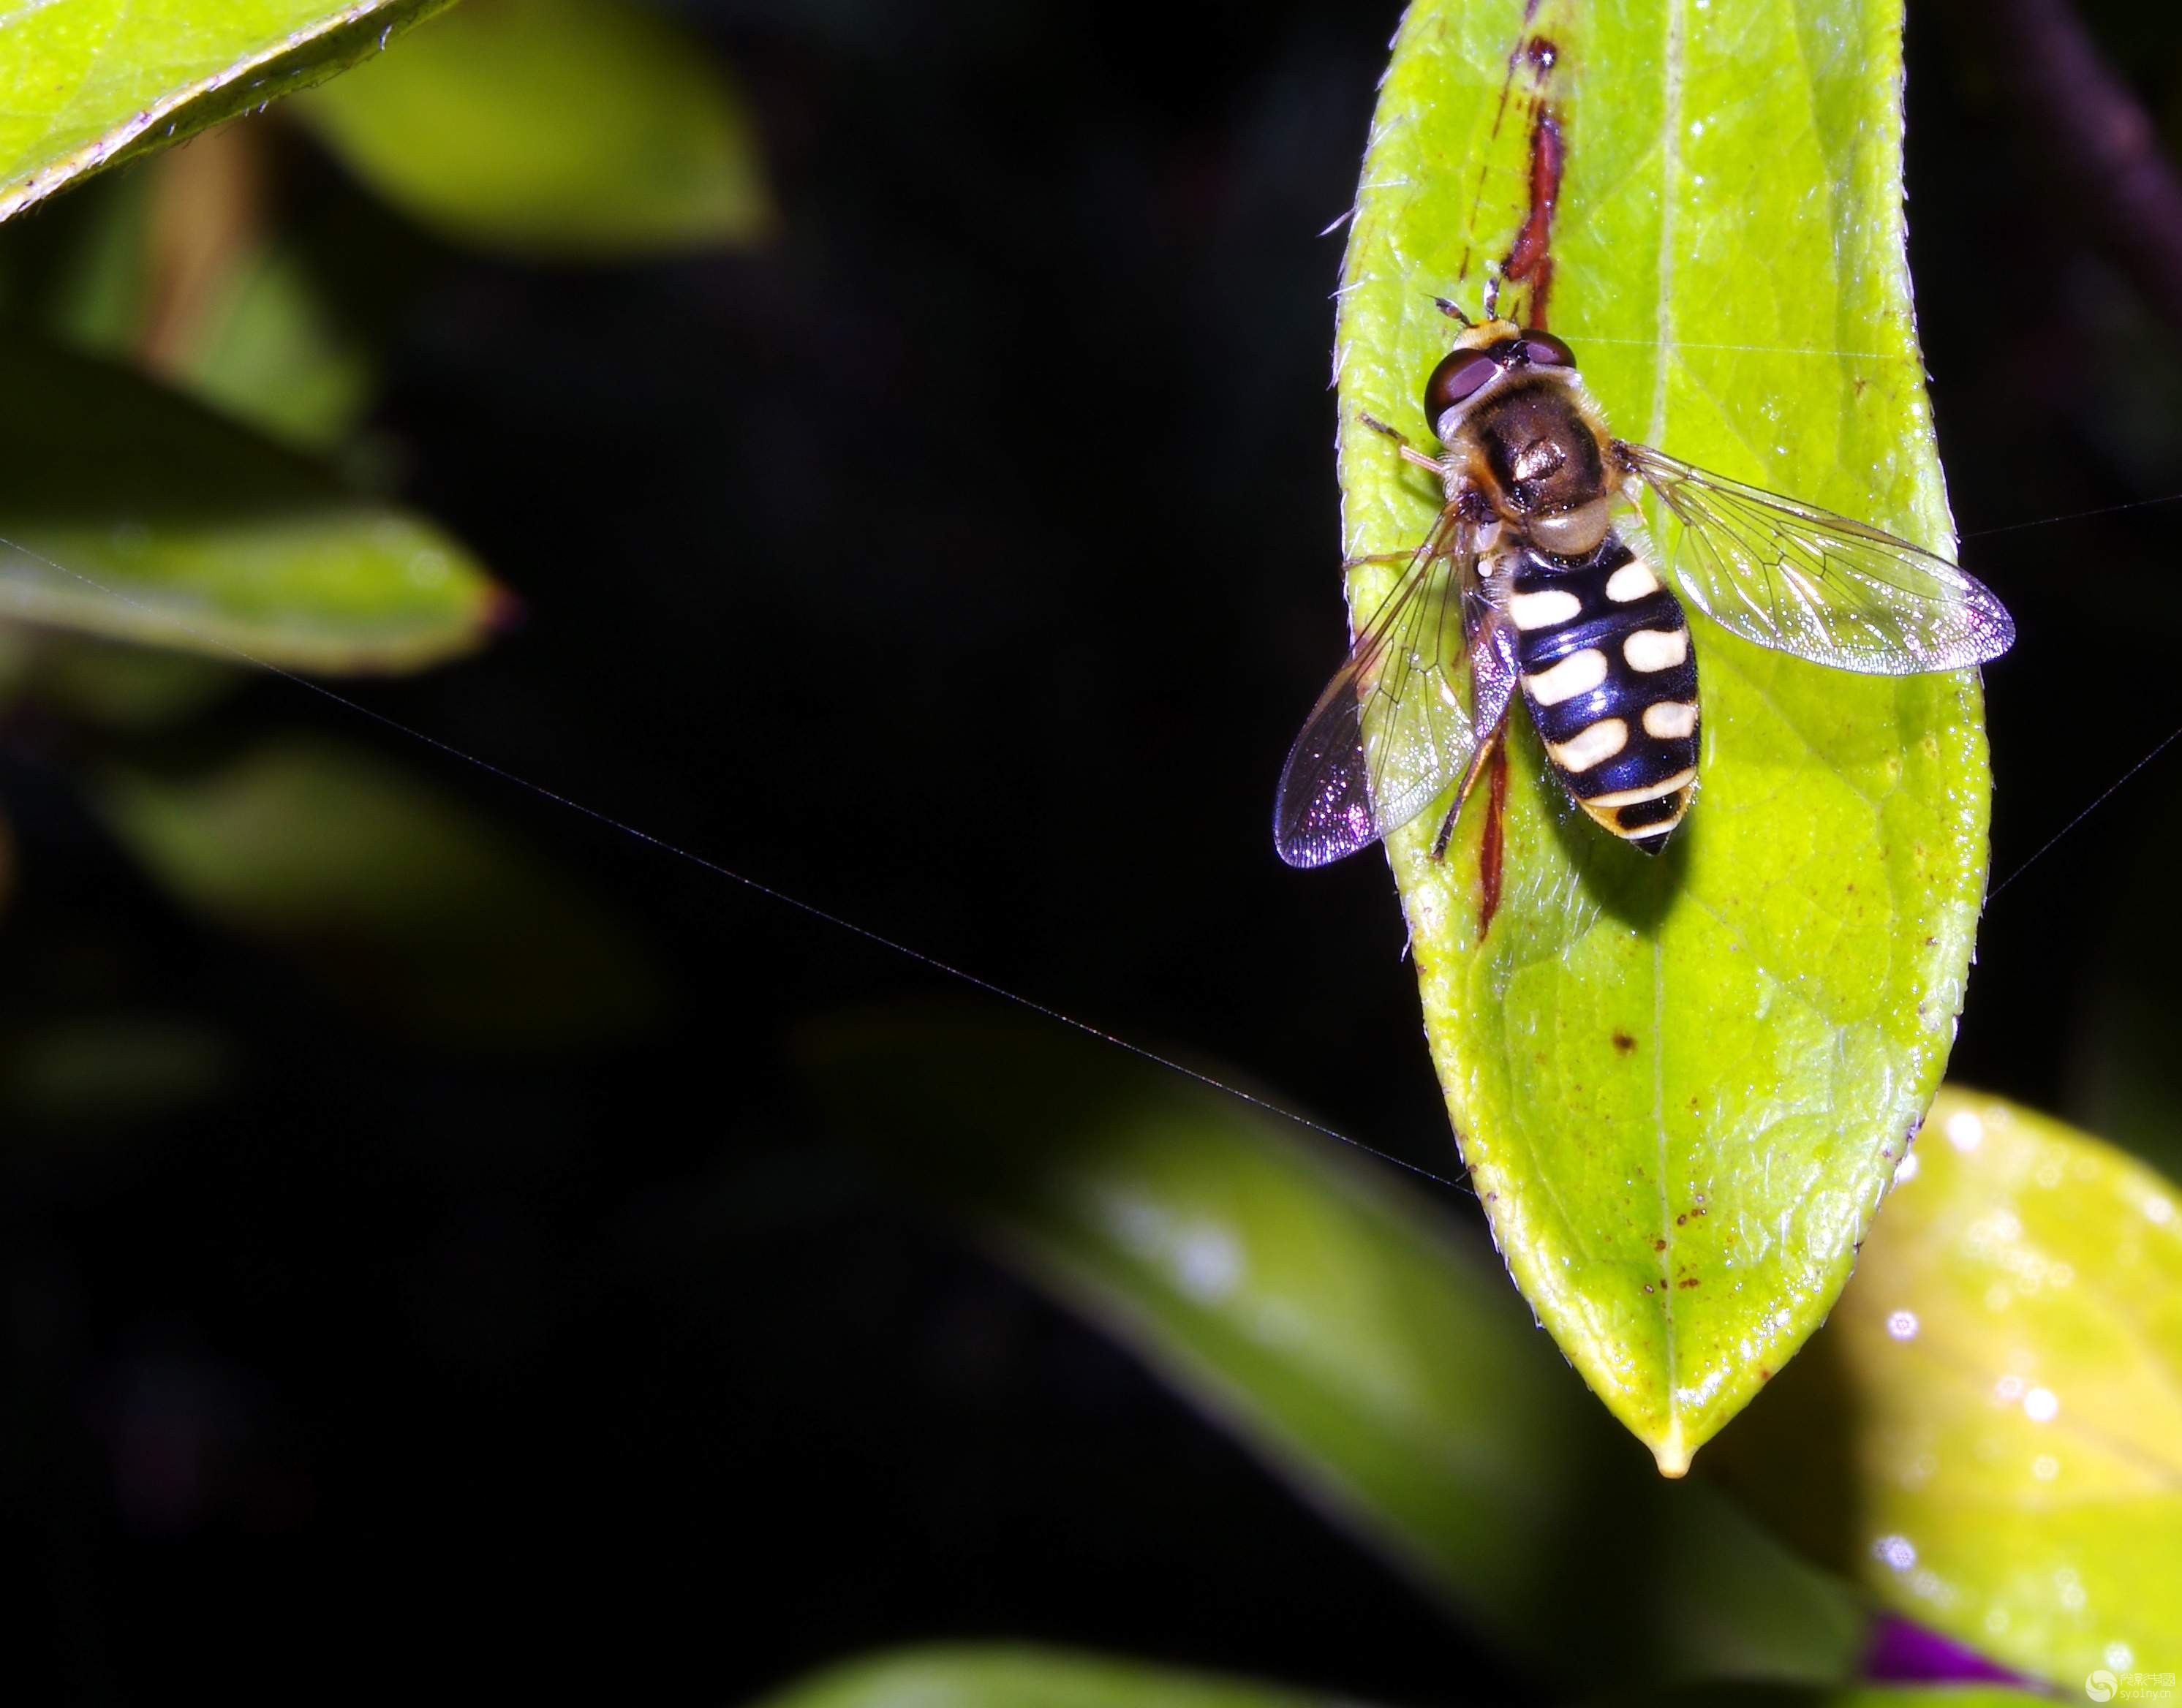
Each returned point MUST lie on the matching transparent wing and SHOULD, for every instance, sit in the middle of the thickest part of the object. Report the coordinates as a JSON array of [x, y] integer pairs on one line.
[[1398, 723], [1802, 580]]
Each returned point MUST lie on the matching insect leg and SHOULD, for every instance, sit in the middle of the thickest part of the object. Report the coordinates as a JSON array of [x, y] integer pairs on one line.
[[1485, 751], [1410, 452], [1493, 675], [1378, 557]]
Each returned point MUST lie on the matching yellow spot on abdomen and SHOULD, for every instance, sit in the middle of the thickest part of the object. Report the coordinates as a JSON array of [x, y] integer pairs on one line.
[[1669, 720], [1535, 611], [1649, 649], [1578, 673], [1589, 745]]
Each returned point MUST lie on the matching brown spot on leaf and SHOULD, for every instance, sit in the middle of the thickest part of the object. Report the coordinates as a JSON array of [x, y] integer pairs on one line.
[[1530, 258], [1688, 1281], [1624, 1043], [1540, 53], [1659, 1245], [1490, 848]]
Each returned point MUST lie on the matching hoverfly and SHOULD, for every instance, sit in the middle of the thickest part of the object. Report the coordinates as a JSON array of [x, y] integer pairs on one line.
[[1533, 575]]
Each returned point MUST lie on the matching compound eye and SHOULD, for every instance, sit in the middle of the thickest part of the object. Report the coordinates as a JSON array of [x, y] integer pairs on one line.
[[1545, 351], [1456, 380]]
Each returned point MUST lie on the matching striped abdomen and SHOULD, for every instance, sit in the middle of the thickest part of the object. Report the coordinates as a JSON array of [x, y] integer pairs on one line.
[[1604, 653]]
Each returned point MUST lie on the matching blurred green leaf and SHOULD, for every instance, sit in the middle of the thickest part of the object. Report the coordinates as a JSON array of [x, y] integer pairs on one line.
[[198, 534], [110, 1069], [97, 273], [87, 83], [174, 268], [274, 354], [555, 127], [1682, 1083], [1989, 1431], [401, 899], [1366, 1349], [996, 1675], [1011, 1676], [1741, 1695], [111, 683]]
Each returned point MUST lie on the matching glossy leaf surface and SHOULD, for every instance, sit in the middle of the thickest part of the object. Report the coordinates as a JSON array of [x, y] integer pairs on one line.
[[91, 82], [1362, 1345], [1989, 1431], [173, 527], [1682, 1083], [556, 127]]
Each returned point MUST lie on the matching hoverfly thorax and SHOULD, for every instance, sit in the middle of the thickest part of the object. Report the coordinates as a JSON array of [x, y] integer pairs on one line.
[[1521, 433]]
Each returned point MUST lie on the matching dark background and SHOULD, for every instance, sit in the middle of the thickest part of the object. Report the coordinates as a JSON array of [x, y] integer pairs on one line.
[[962, 563]]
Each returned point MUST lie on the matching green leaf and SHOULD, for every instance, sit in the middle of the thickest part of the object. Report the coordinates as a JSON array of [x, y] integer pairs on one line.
[[556, 127], [173, 527], [1682, 1083], [1741, 1695], [89, 83], [1364, 1348], [996, 1675], [400, 898], [1989, 1431]]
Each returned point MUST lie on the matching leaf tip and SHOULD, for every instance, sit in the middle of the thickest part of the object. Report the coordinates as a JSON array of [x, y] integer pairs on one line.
[[1672, 1450]]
